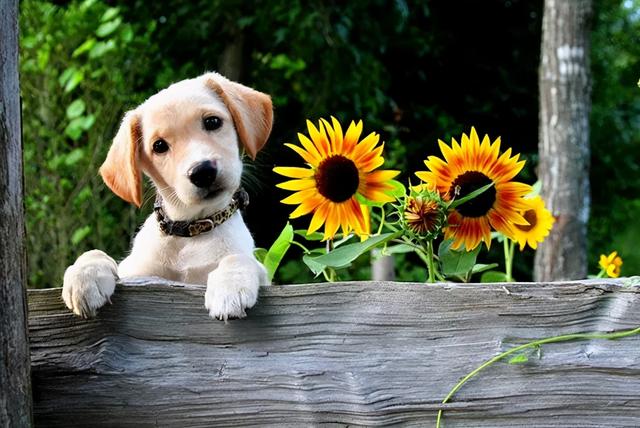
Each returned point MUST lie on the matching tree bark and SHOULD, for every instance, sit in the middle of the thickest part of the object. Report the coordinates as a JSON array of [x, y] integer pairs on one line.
[[15, 376], [565, 103], [230, 63]]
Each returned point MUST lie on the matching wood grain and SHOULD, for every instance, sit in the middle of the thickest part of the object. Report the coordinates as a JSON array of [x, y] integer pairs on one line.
[[15, 385], [340, 354]]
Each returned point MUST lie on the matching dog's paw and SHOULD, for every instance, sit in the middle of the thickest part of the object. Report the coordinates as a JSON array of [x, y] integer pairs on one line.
[[89, 283], [232, 288]]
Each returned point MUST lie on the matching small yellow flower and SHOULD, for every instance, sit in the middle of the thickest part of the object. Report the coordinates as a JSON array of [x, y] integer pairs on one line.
[[540, 223], [611, 264]]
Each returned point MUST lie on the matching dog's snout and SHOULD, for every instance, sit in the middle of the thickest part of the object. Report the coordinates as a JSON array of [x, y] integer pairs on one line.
[[203, 174]]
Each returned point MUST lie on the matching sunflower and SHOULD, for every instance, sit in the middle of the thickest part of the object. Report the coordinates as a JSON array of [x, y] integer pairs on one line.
[[467, 167], [340, 167], [611, 264], [540, 223]]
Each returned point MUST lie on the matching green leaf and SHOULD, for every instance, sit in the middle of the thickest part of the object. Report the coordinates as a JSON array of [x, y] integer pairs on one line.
[[74, 129], [315, 236], [493, 276], [399, 249], [109, 14], [85, 47], [109, 27], [482, 267], [86, 122], [79, 234], [518, 359], [73, 80], [75, 109], [101, 48], [343, 256], [313, 266], [456, 262], [66, 75], [457, 202], [74, 156], [277, 251], [260, 254]]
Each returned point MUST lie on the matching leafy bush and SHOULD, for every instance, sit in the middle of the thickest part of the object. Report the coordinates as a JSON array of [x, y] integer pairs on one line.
[[81, 67]]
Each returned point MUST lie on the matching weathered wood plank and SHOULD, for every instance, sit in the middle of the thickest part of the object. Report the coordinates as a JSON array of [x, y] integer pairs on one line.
[[345, 354], [15, 386]]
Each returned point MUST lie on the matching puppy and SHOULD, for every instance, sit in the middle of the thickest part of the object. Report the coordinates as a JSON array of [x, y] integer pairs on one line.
[[186, 139]]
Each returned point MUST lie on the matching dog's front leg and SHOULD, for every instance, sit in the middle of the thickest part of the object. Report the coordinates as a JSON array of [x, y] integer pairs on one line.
[[89, 283], [233, 286]]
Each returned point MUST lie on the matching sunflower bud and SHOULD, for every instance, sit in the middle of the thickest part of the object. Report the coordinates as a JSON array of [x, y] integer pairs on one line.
[[424, 214]]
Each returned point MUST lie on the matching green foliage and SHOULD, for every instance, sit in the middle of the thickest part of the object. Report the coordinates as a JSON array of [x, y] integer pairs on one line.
[[276, 252], [80, 69], [414, 71], [615, 133]]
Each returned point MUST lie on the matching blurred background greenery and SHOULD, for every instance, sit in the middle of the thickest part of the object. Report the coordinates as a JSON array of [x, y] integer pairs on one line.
[[415, 71]]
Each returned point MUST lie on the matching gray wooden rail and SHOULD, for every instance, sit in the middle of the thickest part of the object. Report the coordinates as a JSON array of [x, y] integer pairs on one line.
[[341, 354]]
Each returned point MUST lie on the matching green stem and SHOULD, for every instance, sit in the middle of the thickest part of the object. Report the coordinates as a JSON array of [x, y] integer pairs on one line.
[[430, 265], [533, 344], [508, 259], [305, 249], [382, 216]]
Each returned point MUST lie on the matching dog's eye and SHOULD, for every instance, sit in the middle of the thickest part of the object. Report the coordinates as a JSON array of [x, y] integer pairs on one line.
[[160, 146], [212, 123]]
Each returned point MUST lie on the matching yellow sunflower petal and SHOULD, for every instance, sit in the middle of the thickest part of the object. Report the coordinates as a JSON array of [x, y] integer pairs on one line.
[[308, 158], [311, 148], [300, 196], [352, 136], [300, 184], [294, 172], [319, 217], [305, 207]]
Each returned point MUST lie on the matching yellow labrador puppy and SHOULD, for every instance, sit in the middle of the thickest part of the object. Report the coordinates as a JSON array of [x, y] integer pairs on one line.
[[186, 139]]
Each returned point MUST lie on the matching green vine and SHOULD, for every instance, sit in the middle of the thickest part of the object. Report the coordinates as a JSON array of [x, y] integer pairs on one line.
[[535, 344]]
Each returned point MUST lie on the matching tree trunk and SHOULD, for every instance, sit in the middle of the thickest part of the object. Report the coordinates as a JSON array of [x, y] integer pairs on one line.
[[383, 268], [565, 102], [230, 63], [15, 376]]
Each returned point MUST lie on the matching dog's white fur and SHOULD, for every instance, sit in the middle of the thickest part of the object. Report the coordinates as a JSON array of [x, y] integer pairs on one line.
[[222, 258]]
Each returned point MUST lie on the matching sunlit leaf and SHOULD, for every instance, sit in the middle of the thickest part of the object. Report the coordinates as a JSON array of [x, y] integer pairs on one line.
[[277, 251], [454, 262], [493, 276], [518, 359], [343, 256], [75, 109], [107, 28], [109, 14], [79, 234]]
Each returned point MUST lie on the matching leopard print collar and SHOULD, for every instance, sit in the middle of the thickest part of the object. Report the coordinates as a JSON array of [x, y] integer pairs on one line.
[[191, 228]]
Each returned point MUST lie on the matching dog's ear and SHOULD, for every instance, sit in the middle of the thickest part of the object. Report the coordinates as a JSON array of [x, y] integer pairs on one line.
[[251, 110], [121, 171]]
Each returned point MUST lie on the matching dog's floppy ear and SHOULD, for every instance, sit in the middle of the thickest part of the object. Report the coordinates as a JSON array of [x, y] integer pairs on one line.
[[251, 110], [121, 171]]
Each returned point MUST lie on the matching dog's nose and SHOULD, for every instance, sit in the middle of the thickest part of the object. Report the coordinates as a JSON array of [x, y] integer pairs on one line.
[[203, 174]]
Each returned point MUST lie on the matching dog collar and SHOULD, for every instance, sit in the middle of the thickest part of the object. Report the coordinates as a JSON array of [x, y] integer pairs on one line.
[[186, 229]]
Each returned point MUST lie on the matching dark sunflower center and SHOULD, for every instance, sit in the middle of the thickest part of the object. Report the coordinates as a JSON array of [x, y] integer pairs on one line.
[[467, 183], [337, 178], [531, 217]]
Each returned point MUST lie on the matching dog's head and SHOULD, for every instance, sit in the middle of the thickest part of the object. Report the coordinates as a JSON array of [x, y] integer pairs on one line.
[[187, 138]]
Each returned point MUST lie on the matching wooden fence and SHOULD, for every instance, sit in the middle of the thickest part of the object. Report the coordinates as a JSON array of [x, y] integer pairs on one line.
[[342, 354]]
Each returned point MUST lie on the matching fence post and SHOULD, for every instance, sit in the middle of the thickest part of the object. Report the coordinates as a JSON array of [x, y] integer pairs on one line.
[[15, 373]]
